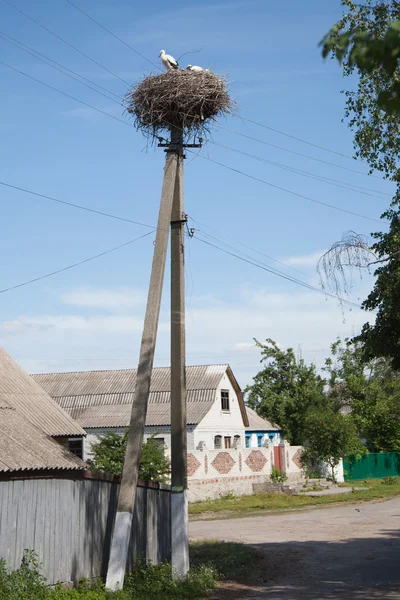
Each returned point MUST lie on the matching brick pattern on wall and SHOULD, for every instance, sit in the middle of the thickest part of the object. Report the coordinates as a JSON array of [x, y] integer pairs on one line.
[[192, 465], [296, 458], [256, 461], [206, 464], [240, 461], [223, 463]]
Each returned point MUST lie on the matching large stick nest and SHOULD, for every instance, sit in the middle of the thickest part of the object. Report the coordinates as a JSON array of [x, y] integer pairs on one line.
[[184, 99]]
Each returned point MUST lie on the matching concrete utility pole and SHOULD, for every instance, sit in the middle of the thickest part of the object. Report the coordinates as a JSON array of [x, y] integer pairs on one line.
[[127, 494], [179, 506]]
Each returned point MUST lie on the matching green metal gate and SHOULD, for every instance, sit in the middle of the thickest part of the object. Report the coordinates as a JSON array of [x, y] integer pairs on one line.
[[374, 465]]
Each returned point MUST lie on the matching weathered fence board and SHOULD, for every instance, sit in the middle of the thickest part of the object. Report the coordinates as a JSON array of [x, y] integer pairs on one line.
[[68, 523]]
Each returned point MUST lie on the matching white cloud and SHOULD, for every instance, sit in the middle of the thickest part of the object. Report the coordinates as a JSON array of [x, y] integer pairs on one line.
[[243, 346], [113, 300], [304, 260], [217, 331]]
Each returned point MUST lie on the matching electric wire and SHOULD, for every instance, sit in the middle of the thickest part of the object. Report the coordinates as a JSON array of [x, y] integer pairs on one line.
[[77, 264], [65, 42], [199, 155], [278, 273], [344, 210], [280, 262], [59, 68], [328, 180], [320, 160], [113, 34], [63, 66], [99, 110], [293, 137], [235, 115], [73, 205], [203, 157]]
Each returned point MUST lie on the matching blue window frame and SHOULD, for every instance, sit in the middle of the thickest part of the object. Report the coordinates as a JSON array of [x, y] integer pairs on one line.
[[248, 440], [260, 439]]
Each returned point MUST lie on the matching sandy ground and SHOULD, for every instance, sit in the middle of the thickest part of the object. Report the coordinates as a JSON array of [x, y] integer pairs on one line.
[[346, 552]]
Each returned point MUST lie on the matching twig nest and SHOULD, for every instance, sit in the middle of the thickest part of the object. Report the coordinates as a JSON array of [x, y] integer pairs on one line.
[[183, 99]]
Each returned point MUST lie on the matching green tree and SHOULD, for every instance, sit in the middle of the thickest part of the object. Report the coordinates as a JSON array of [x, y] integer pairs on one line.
[[371, 393], [366, 40], [285, 390], [330, 436], [109, 455], [376, 129]]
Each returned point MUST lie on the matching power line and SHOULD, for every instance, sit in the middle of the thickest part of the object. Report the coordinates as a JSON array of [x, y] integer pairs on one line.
[[245, 246], [328, 180], [65, 42], [86, 208], [278, 273], [77, 264], [293, 137], [288, 191], [59, 68], [63, 66], [113, 34], [239, 116], [200, 156], [203, 157], [320, 160], [99, 110]]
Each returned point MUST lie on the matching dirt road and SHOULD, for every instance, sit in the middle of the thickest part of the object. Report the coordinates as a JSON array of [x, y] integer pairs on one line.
[[346, 552]]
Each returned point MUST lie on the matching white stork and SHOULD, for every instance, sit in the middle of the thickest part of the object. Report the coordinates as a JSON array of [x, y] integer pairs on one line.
[[168, 61], [194, 68]]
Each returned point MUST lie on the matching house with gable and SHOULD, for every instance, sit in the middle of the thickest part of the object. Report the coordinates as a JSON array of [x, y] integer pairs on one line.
[[102, 400]]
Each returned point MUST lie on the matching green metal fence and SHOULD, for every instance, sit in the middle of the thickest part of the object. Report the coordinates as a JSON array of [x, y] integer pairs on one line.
[[374, 465]]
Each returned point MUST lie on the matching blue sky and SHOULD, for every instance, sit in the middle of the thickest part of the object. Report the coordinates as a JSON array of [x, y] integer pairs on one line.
[[90, 317]]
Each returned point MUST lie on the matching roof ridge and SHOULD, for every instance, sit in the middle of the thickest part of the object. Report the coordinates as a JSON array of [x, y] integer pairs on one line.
[[120, 370]]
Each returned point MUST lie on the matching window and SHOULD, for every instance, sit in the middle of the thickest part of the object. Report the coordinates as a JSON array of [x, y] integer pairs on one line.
[[218, 442], [260, 439], [225, 400], [160, 442], [227, 442], [76, 447], [236, 441], [248, 440]]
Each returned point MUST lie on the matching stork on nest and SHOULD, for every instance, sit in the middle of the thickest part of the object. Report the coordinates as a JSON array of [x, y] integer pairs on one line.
[[182, 99]]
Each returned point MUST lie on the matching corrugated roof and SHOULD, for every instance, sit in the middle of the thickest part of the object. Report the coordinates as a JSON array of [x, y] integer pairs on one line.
[[25, 447], [104, 398], [19, 391], [257, 423]]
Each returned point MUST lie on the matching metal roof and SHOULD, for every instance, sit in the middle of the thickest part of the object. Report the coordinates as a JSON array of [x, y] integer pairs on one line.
[[104, 398], [25, 447], [19, 391], [257, 423]]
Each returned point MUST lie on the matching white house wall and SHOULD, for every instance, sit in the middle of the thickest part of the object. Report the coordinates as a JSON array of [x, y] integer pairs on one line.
[[218, 422]]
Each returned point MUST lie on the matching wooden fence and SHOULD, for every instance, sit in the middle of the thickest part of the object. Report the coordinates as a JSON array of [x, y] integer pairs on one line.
[[68, 523]]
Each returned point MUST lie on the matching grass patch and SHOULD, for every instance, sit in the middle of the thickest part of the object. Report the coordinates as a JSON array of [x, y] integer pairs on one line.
[[210, 562], [375, 489]]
